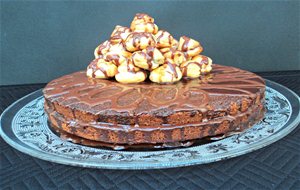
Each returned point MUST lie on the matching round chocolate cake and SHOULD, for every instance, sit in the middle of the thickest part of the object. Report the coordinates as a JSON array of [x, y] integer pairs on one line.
[[146, 89], [112, 114]]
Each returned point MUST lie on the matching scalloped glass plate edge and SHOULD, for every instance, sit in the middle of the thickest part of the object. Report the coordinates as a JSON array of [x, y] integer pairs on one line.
[[12, 140]]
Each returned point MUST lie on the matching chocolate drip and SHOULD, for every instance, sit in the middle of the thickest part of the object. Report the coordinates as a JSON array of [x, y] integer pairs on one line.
[[94, 66], [136, 38], [103, 71], [185, 44], [159, 37], [173, 68], [140, 15], [117, 36], [170, 38], [119, 31], [129, 69], [102, 46], [150, 51], [114, 58], [172, 55], [185, 68], [204, 60], [173, 52], [149, 56]]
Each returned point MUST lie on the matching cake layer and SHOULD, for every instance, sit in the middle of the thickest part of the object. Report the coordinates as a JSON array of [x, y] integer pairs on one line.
[[80, 140], [226, 91], [132, 135]]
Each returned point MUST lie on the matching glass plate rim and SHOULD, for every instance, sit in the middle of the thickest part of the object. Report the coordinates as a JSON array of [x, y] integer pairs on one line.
[[22, 147]]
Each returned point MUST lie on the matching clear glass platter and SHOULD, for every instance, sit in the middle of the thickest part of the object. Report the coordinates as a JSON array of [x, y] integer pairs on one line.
[[24, 126]]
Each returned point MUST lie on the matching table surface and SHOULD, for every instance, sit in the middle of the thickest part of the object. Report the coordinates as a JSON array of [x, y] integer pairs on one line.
[[276, 166]]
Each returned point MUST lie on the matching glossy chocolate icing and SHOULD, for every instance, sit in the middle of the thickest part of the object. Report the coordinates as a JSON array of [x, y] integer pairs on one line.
[[212, 91], [209, 99]]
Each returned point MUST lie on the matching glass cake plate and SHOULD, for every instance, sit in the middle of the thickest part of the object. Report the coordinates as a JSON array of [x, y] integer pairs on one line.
[[24, 126]]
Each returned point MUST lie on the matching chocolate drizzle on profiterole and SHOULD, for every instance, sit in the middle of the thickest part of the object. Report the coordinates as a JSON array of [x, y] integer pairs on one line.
[[146, 18], [149, 56], [204, 60], [94, 66], [104, 46], [137, 39], [113, 58], [172, 67], [162, 33], [185, 70], [185, 45]]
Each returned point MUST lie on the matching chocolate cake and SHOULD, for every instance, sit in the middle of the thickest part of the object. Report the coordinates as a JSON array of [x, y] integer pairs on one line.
[[226, 100], [146, 89]]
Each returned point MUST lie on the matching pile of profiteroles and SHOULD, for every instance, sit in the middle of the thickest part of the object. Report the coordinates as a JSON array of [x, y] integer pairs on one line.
[[132, 54]]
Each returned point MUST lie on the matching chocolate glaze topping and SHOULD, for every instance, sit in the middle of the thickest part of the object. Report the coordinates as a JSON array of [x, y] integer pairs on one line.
[[224, 101], [97, 95]]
